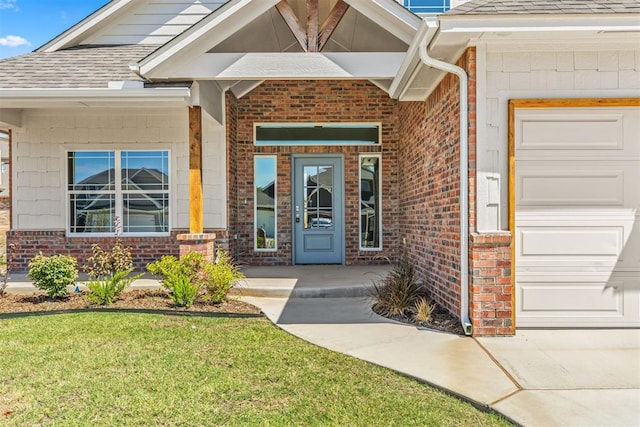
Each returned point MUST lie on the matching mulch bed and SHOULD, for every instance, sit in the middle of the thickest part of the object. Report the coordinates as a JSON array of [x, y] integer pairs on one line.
[[441, 320], [139, 300]]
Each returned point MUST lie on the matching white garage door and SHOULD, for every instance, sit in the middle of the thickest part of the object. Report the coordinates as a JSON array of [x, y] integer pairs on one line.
[[577, 198]]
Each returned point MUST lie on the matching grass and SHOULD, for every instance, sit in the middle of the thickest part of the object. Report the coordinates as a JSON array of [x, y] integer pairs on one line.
[[141, 369]]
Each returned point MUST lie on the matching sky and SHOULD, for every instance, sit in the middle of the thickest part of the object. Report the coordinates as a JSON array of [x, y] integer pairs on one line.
[[26, 25]]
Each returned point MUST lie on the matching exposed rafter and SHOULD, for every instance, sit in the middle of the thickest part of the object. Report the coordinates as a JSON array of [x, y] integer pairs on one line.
[[331, 23], [291, 19], [312, 25], [315, 37]]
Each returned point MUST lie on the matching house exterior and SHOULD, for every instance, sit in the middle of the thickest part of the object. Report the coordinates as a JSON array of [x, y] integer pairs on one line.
[[496, 145]]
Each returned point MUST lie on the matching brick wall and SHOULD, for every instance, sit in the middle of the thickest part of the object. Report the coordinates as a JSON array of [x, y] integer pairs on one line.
[[310, 101], [429, 178], [430, 186], [26, 244]]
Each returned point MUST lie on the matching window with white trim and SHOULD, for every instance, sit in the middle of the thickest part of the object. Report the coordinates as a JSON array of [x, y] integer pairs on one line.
[[132, 185], [370, 207]]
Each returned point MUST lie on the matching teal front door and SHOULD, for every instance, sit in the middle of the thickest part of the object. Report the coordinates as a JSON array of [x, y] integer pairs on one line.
[[318, 210]]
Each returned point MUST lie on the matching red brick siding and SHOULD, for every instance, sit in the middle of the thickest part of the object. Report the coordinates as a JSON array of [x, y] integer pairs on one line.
[[26, 244], [490, 262], [429, 174], [311, 101]]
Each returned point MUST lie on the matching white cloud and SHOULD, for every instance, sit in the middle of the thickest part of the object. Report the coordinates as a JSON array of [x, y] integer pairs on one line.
[[9, 4], [14, 41]]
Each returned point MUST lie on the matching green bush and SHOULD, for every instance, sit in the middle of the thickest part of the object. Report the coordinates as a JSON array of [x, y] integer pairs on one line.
[[53, 274], [183, 277], [109, 272], [106, 290], [220, 276], [398, 293]]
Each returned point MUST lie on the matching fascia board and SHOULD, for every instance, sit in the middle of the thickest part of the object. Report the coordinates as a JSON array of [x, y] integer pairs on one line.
[[390, 15], [408, 68], [204, 35], [31, 98], [538, 23], [82, 29]]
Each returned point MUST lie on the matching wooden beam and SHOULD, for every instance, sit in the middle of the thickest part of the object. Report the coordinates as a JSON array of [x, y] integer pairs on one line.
[[291, 20], [331, 23], [196, 211], [312, 25]]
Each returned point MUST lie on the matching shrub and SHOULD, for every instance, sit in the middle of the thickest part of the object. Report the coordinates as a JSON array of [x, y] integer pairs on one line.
[[53, 274], [183, 277], [423, 310], [220, 276], [106, 290], [109, 272], [397, 293]]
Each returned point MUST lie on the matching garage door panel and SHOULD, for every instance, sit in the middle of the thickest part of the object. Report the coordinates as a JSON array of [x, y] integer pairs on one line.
[[571, 183], [611, 133], [571, 241], [571, 131], [578, 300]]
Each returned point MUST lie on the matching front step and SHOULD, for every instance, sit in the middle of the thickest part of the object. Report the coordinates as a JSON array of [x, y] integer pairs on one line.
[[310, 281]]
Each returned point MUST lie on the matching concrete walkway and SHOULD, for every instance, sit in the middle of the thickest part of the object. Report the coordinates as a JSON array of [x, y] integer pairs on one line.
[[537, 378]]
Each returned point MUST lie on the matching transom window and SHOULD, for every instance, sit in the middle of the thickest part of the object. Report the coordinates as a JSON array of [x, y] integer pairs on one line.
[[133, 185], [317, 134]]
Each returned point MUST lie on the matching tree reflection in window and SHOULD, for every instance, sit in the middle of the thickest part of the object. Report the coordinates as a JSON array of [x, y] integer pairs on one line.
[[370, 215], [265, 213]]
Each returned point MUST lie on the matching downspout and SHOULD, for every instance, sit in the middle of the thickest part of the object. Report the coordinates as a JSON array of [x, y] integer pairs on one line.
[[464, 180]]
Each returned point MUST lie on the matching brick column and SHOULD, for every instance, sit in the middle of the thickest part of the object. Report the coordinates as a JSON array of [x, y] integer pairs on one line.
[[490, 281], [202, 243]]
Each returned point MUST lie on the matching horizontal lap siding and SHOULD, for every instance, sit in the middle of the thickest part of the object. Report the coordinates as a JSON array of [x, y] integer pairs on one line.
[[156, 22]]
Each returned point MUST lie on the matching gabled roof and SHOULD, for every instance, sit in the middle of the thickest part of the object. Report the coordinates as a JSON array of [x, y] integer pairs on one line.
[[500, 7], [81, 67]]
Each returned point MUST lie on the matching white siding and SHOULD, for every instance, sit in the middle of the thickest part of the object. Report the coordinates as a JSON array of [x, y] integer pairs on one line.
[[536, 71], [155, 22], [39, 162]]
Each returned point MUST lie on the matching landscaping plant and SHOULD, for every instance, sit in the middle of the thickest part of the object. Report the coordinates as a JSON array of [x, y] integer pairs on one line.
[[109, 271], [183, 277], [220, 276], [397, 293], [53, 274]]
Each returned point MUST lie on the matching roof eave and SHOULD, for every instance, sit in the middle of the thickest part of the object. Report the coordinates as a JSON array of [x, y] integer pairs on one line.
[[539, 22], [84, 97]]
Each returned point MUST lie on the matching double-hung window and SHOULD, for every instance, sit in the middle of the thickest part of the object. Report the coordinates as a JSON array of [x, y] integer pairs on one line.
[[130, 185]]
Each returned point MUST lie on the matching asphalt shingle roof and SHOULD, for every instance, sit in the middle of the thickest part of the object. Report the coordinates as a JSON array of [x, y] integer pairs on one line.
[[532, 7], [86, 66]]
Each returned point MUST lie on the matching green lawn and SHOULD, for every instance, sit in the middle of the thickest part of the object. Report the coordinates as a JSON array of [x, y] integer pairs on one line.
[[142, 369]]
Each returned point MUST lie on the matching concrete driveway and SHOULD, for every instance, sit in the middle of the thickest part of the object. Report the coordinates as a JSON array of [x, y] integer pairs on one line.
[[537, 378]]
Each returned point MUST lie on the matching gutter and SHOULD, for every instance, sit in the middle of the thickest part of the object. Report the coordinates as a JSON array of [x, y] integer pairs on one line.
[[464, 177], [12, 98]]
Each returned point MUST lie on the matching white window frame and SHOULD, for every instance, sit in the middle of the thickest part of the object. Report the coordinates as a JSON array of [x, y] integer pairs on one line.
[[379, 157], [119, 192], [255, 204], [256, 125]]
